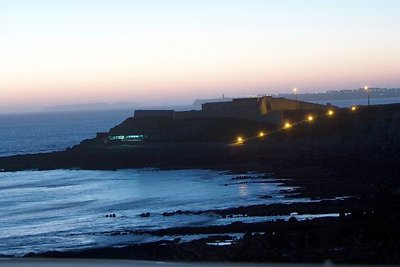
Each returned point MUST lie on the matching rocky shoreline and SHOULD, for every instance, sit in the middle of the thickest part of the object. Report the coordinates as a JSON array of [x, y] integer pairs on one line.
[[362, 237], [366, 231], [348, 166]]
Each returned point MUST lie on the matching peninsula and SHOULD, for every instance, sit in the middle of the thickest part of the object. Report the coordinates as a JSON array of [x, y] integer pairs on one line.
[[346, 159]]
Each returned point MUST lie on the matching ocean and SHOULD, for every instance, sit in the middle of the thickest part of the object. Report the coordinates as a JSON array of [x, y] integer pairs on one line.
[[44, 132], [66, 209], [55, 131]]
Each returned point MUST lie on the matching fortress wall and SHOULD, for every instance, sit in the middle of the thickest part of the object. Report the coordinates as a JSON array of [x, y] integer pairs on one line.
[[179, 115], [265, 109], [153, 113], [311, 106], [275, 117], [287, 104], [218, 106], [241, 114], [236, 105], [249, 114]]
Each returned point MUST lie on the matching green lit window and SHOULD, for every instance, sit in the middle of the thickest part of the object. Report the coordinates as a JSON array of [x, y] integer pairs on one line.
[[127, 138], [116, 137]]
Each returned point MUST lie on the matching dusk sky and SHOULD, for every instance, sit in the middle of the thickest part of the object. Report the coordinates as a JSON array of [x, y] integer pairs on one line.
[[56, 52]]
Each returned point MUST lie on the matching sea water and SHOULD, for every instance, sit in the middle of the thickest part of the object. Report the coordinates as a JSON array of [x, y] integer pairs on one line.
[[44, 132], [67, 209], [55, 131]]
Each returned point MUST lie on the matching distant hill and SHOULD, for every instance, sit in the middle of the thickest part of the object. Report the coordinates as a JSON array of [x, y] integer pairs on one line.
[[199, 102], [94, 106], [322, 96], [346, 94]]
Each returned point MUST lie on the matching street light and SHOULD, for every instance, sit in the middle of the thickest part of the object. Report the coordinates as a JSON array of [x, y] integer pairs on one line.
[[310, 118], [295, 96], [261, 134], [353, 108], [366, 88], [287, 125], [330, 112], [240, 139]]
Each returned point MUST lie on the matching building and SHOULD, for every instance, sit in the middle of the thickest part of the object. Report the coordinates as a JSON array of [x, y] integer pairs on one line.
[[175, 126], [153, 113], [262, 105], [264, 109]]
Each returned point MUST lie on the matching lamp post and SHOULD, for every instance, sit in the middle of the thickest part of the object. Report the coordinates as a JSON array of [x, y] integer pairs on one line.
[[366, 88], [295, 97]]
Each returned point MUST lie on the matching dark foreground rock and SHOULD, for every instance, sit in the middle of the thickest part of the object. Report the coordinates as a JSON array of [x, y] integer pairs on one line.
[[351, 154], [364, 141], [362, 238]]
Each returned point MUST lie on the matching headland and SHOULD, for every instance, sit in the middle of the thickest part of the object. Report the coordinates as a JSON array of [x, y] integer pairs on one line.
[[326, 152]]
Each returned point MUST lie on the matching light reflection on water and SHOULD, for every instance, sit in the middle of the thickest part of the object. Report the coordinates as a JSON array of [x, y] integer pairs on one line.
[[65, 209], [243, 190]]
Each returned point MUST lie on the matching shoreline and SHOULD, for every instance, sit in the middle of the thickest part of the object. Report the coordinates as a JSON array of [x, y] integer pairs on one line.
[[316, 181], [345, 239], [360, 214], [353, 156]]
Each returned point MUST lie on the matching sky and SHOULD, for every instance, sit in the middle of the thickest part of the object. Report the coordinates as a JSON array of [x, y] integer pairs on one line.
[[55, 52]]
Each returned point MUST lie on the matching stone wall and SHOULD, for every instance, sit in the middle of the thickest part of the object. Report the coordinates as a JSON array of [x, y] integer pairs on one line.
[[280, 104], [265, 109], [153, 113]]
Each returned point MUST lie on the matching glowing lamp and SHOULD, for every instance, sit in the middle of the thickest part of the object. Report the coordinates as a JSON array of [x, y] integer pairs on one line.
[[310, 118], [287, 125], [330, 112], [261, 134], [353, 108]]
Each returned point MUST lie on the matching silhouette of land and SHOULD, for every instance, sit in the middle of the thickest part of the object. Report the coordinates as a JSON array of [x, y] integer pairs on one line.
[[353, 154]]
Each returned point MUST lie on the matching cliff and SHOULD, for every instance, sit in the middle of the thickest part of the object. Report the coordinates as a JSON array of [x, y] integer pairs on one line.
[[370, 133]]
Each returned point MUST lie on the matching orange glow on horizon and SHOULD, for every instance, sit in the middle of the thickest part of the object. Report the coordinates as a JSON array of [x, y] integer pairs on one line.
[[117, 51]]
